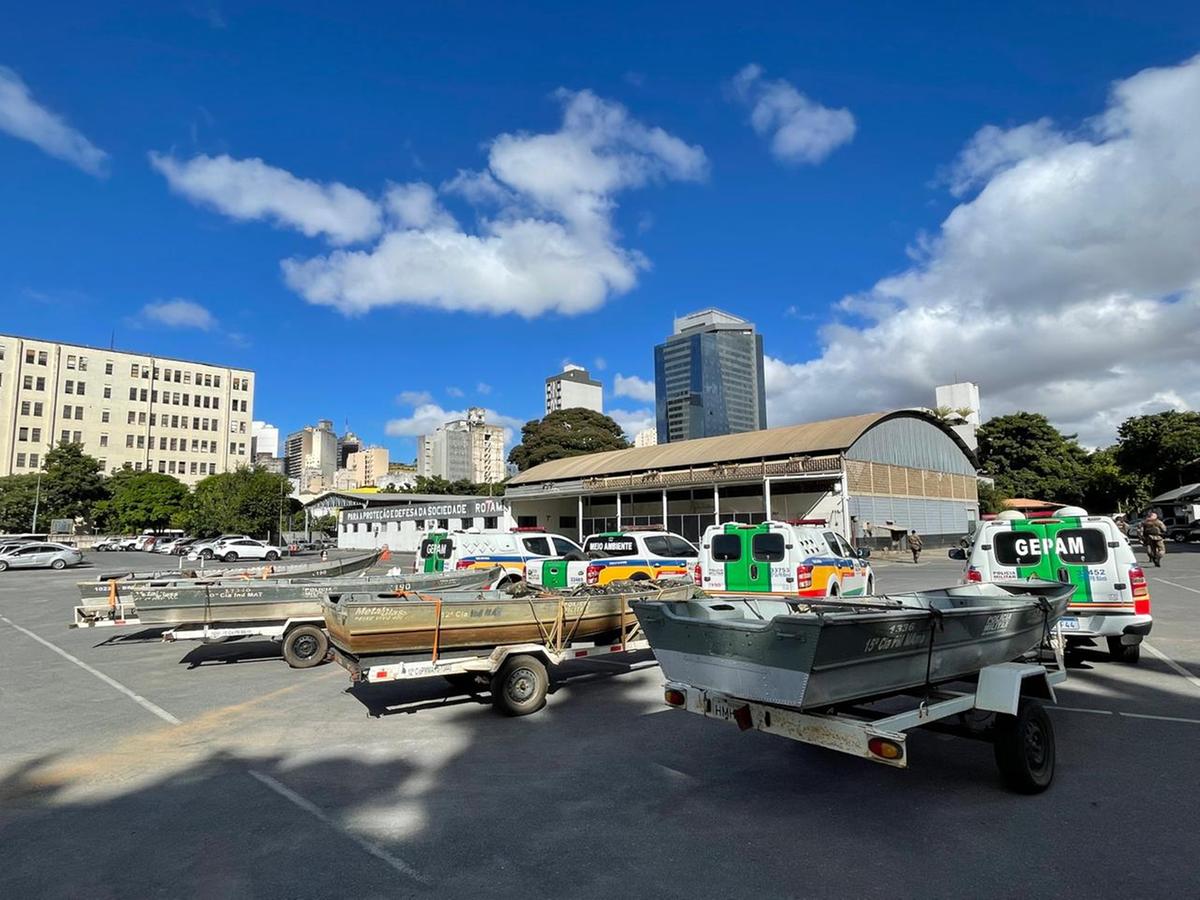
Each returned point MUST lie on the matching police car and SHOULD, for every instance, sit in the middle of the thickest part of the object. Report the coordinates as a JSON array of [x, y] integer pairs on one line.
[[1111, 599], [617, 556], [792, 559], [485, 549]]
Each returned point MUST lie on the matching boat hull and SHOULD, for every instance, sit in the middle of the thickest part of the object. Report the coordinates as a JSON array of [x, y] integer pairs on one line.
[[274, 600], [364, 624], [103, 587], [811, 660]]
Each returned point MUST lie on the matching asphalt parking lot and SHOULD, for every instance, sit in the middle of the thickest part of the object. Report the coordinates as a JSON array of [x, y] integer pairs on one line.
[[130, 767]]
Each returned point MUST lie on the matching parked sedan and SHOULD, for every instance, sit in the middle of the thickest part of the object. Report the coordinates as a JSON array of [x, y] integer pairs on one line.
[[40, 556], [107, 544], [207, 549], [246, 548]]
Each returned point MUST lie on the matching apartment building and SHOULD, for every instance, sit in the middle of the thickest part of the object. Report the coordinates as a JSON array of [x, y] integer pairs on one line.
[[158, 414], [463, 449], [573, 387]]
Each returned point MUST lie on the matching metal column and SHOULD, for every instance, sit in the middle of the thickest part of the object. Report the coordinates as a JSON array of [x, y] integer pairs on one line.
[[767, 497], [716, 505], [579, 518], [664, 504], [618, 510]]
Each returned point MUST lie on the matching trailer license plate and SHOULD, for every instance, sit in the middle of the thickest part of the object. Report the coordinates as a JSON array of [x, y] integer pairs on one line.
[[1069, 623], [721, 710]]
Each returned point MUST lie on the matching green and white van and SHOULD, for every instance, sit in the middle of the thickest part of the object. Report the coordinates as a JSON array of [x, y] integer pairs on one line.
[[784, 559], [1111, 600]]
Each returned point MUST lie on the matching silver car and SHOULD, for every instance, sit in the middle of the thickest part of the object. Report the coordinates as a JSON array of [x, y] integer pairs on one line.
[[40, 556]]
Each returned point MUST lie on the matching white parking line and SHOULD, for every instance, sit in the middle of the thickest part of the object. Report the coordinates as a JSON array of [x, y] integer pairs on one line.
[[1098, 712], [1182, 587], [316, 812], [111, 682], [1161, 718], [1195, 682]]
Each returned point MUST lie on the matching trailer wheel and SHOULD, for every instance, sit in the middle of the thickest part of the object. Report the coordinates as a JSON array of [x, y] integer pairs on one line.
[[305, 646], [520, 687], [1024, 746], [1124, 653]]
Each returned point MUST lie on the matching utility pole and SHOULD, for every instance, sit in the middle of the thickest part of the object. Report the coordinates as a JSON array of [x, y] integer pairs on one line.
[[37, 495]]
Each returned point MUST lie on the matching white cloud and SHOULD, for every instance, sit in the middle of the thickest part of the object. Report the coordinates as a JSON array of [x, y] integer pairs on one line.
[[414, 398], [483, 388], [426, 418], [179, 314], [800, 130], [454, 392], [633, 387], [994, 149], [249, 189], [1069, 284], [633, 420], [600, 363], [25, 118], [546, 243]]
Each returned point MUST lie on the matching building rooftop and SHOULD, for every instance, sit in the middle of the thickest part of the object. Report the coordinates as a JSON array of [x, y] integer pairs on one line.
[[95, 349], [709, 320], [828, 436]]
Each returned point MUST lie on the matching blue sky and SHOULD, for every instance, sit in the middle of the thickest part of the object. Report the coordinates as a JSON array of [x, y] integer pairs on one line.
[[394, 213]]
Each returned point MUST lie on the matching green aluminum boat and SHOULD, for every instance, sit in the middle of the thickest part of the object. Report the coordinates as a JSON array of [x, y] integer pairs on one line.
[[816, 654]]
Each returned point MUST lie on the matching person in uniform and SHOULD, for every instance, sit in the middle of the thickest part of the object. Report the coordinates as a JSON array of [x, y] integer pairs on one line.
[[914, 544], [1154, 537]]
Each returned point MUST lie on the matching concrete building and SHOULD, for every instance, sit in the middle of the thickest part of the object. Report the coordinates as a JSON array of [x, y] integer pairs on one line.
[[647, 437], [398, 521], [860, 473], [573, 387], [368, 465], [463, 449], [311, 456], [264, 440], [963, 400], [708, 378], [348, 443], [155, 413]]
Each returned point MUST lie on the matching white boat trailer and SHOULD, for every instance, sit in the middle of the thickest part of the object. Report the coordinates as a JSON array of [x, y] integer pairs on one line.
[[1020, 731], [303, 642], [516, 674]]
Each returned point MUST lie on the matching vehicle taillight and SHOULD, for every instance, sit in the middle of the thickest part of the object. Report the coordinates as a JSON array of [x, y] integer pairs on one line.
[[463, 564], [803, 577], [1141, 592], [696, 575], [973, 574], [593, 573]]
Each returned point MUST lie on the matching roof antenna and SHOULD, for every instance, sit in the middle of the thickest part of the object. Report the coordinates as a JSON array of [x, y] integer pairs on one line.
[[112, 340]]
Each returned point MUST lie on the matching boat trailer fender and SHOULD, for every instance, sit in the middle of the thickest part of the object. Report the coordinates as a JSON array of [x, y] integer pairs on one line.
[[1002, 686]]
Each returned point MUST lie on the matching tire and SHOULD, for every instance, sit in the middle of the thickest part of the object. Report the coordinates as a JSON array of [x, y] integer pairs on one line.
[[58, 564], [3, 565], [230, 557], [834, 590], [1024, 748], [272, 556], [305, 646], [206, 553], [1129, 654], [520, 687]]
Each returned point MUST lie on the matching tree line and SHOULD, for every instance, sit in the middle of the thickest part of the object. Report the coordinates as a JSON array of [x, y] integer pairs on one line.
[[71, 485], [1026, 456]]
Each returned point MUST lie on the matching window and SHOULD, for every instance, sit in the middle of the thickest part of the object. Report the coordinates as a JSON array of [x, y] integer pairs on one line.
[[22, 434], [104, 416], [20, 460], [207, 400], [538, 546], [141, 442], [1017, 548], [69, 387], [233, 449], [162, 466], [204, 424], [35, 435], [153, 420], [24, 407], [80, 388], [561, 545], [108, 368], [768, 547], [216, 381], [154, 396], [37, 408], [214, 424], [187, 378], [171, 467], [27, 382], [137, 467], [65, 437], [71, 362], [726, 548], [29, 357], [77, 437], [1081, 546], [133, 393], [78, 413], [216, 402], [132, 417], [103, 464], [83, 364], [142, 395], [208, 381], [193, 469], [41, 384], [162, 443], [104, 440], [129, 440], [107, 392], [174, 443], [133, 371], [141, 418], [42, 360], [33, 460], [66, 412]]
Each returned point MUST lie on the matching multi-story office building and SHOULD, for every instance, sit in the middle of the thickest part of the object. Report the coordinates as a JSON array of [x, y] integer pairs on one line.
[[153, 413], [708, 378], [264, 440], [311, 456], [368, 465], [573, 387], [647, 437], [463, 449]]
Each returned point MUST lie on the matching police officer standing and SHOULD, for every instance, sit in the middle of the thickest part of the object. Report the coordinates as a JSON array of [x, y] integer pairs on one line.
[[915, 544], [1154, 537]]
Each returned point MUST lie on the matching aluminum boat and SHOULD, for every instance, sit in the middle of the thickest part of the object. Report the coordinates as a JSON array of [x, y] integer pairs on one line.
[[270, 600], [817, 654], [363, 623], [103, 586]]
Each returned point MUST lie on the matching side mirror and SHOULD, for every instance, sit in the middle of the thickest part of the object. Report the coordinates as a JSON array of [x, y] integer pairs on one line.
[[957, 553], [864, 552]]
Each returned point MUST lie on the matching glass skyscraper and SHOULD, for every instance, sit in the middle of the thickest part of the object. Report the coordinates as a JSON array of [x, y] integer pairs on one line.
[[708, 378]]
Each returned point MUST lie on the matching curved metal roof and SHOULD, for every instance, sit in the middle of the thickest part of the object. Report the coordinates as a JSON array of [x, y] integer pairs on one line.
[[828, 436]]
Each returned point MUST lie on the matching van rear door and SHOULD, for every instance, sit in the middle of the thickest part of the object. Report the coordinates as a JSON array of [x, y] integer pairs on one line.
[[1068, 550], [744, 557], [433, 552]]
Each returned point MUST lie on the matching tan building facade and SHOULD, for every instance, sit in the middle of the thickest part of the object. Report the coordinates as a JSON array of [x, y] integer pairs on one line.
[[368, 465], [176, 417]]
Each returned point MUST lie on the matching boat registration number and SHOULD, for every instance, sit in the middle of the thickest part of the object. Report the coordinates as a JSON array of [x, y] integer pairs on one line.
[[1069, 623]]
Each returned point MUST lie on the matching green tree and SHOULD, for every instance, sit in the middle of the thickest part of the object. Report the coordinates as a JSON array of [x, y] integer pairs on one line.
[[249, 501], [991, 500], [438, 485], [1164, 448], [72, 483], [1029, 457], [16, 503], [140, 500], [564, 433], [1108, 488]]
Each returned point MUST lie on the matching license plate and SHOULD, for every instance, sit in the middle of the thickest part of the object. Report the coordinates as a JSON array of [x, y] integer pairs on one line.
[[1068, 623], [721, 710]]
